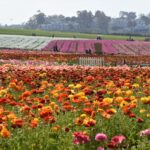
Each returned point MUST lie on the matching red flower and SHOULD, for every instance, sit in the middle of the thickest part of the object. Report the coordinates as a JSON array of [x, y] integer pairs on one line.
[[140, 120], [80, 138], [49, 119], [17, 123]]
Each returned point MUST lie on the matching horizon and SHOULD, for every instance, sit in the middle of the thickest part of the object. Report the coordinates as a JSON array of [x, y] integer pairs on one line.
[[19, 11]]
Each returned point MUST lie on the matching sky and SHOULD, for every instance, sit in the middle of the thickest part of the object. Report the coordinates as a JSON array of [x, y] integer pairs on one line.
[[19, 11]]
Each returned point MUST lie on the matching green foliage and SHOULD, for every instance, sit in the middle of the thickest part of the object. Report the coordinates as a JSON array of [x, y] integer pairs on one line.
[[98, 48]]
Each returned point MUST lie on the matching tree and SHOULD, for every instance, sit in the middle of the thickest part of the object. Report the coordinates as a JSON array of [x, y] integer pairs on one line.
[[127, 15], [131, 16], [146, 19], [85, 20], [37, 20], [123, 14], [40, 18], [101, 21]]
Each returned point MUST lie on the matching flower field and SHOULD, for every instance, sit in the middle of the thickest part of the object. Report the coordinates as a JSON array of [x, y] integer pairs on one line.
[[75, 46], [108, 46], [74, 107], [23, 42]]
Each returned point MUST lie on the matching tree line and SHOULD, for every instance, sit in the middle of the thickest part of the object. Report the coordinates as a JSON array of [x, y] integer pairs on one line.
[[87, 22]]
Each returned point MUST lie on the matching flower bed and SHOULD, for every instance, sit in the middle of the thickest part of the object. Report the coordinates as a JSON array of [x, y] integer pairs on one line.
[[108, 46], [74, 107], [71, 58]]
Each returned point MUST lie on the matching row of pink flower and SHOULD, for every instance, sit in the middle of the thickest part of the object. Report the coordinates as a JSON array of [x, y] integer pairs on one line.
[[116, 141], [108, 46]]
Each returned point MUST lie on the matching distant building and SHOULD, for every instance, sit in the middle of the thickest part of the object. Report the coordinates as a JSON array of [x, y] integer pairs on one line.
[[141, 27], [61, 26]]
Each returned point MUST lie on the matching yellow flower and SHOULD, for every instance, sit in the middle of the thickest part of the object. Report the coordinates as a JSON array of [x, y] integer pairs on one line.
[[78, 86], [108, 100], [119, 99], [82, 116], [148, 115], [128, 93], [100, 110], [52, 104], [132, 98], [134, 101], [135, 85], [72, 91], [3, 92], [84, 98], [55, 95], [142, 111], [145, 99], [110, 84], [118, 92], [70, 96], [123, 104], [80, 94], [109, 92], [71, 85]]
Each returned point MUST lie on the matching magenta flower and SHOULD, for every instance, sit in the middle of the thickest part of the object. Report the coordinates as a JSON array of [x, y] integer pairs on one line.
[[101, 137], [80, 138], [145, 132], [100, 148], [118, 139]]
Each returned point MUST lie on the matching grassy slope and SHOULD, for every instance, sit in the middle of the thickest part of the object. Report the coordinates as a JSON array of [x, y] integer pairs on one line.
[[62, 34]]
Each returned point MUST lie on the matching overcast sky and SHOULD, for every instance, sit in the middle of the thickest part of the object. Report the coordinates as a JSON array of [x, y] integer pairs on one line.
[[19, 11]]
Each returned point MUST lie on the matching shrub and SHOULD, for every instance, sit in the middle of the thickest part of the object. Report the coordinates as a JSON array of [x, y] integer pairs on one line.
[[98, 48], [33, 34], [147, 39]]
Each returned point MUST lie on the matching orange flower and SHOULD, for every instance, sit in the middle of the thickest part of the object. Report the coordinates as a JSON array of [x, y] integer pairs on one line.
[[46, 97], [68, 107], [88, 111], [106, 115], [119, 99], [5, 133], [55, 128], [59, 87], [111, 111], [89, 78], [78, 121], [46, 111], [34, 123], [89, 122], [77, 100]]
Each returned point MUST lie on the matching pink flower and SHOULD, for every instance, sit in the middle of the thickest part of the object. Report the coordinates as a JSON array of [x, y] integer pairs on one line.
[[145, 132], [118, 139], [100, 148], [101, 137], [80, 138]]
